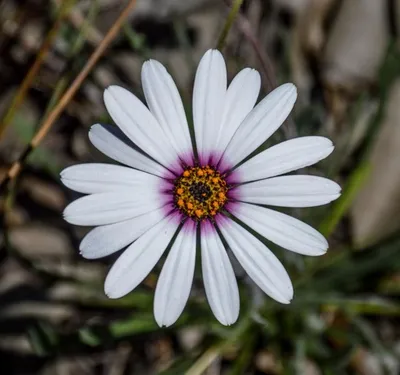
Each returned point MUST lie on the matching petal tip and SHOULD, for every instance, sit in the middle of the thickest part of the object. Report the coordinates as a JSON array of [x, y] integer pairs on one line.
[[158, 320], [113, 87], [163, 320], [211, 53], [112, 294], [288, 90], [163, 324], [229, 318], [229, 322], [290, 87], [112, 91], [149, 64], [321, 252], [211, 50], [94, 127], [85, 255], [107, 94], [65, 213]]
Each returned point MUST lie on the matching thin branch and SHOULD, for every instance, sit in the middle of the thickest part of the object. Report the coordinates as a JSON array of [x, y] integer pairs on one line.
[[266, 64], [289, 127], [33, 71], [68, 70], [66, 98], [267, 67]]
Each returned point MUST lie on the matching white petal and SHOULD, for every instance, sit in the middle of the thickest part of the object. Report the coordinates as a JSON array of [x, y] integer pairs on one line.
[[240, 99], [281, 229], [284, 157], [111, 141], [107, 239], [219, 278], [176, 277], [258, 261], [261, 123], [100, 178], [138, 260], [289, 191], [208, 101], [136, 121], [108, 208], [165, 103]]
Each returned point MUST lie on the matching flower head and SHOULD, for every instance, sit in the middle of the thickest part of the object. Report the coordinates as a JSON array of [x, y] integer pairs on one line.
[[167, 192]]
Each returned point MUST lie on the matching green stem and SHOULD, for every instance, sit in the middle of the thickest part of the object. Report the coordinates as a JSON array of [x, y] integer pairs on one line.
[[216, 350], [229, 22], [342, 205]]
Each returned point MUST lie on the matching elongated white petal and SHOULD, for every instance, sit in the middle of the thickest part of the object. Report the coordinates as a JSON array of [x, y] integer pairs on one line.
[[289, 191], [240, 99], [136, 121], [281, 229], [258, 261], [285, 157], [108, 208], [176, 277], [261, 123], [208, 102], [107, 239], [165, 103], [139, 259], [219, 278], [112, 142], [100, 178]]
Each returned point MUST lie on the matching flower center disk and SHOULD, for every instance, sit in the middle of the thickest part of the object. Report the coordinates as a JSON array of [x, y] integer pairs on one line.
[[200, 192]]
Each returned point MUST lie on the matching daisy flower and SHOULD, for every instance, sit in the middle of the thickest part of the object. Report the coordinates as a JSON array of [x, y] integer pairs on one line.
[[170, 188]]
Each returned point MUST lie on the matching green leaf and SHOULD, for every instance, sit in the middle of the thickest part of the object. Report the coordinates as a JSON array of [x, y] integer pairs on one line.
[[342, 205], [43, 338], [138, 323]]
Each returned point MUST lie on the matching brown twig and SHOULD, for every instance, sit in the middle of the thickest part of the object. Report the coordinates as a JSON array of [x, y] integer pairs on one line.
[[65, 99], [266, 64], [267, 67], [33, 71]]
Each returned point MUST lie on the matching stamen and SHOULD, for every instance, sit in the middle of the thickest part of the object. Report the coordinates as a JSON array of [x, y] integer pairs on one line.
[[200, 192]]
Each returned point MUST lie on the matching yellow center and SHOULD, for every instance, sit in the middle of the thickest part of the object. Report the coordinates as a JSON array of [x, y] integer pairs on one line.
[[200, 192]]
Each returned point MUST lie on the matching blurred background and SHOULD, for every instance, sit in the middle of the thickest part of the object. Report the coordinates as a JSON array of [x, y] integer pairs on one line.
[[344, 57]]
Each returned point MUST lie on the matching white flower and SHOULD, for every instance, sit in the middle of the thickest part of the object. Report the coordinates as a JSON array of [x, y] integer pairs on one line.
[[166, 192]]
